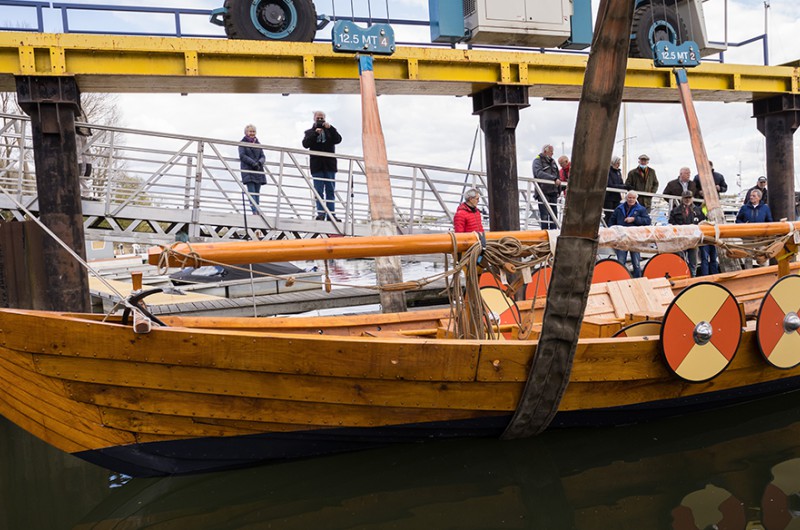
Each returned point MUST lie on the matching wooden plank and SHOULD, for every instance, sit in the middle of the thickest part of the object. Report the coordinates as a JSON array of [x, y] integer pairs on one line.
[[409, 359], [261, 410], [318, 389]]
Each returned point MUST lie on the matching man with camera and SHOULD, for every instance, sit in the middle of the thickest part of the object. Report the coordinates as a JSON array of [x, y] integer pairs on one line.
[[323, 137]]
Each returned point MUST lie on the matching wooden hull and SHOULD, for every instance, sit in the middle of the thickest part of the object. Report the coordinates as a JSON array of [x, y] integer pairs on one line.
[[214, 393]]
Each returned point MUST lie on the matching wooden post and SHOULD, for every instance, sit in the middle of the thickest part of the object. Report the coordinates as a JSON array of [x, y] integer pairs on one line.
[[595, 128], [498, 107], [21, 266], [379, 187], [53, 103]]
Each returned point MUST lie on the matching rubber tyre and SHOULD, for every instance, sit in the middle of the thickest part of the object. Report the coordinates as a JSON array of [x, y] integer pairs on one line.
[[300, 24], [644, 18]]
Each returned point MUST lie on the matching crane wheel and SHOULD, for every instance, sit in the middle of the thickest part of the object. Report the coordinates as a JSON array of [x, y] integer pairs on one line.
[[655, 23], [289, 20]]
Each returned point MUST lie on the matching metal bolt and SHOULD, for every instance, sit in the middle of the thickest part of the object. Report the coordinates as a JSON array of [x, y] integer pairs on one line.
[[702, 333], [791, 323]]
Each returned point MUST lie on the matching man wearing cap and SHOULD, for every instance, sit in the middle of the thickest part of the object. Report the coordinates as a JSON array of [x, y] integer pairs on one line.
[[719, 182], [761, 186], [643, 179], [681, 184], [687, 213]]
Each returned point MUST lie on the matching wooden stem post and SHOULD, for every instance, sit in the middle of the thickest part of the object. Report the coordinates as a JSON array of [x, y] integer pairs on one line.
[[379, 187]]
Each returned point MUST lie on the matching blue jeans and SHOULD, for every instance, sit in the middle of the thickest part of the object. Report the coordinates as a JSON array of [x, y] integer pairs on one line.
[[636, 258], [324, 182], [708, 260], [690, 256], [253, 190]]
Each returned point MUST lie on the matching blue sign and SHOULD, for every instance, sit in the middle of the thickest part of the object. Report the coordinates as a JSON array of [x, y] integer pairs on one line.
[[671, 55], [376, 39]]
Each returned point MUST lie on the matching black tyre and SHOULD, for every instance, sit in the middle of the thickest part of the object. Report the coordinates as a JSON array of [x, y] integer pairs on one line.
[[654, 23], [291, 20]]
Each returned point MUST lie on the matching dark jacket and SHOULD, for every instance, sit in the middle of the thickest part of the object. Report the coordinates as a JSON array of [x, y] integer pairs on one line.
[[754, 214], [646, 181], [719, 180], [251, 159], [637, 211], [612, 198], [326, 142], [674, 187], [680, 215], [546, 168], [467, 219], [764, 195]]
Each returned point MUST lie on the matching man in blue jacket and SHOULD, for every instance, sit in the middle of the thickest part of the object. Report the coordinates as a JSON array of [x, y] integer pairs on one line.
[[754, 211], [630, 213]]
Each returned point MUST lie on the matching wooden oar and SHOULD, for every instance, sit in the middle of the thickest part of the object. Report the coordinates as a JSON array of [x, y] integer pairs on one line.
[[242, 252]]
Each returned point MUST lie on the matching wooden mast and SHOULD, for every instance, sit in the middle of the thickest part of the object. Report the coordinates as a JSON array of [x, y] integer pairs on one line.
[[598, 114], [381, 206]]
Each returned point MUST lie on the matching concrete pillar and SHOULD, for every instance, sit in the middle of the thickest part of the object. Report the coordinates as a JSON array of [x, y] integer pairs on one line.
[[498, 108], [53, 103], [778, 117]]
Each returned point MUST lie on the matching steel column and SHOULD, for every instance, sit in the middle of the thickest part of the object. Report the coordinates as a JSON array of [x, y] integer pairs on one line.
[[778, 118], [53, 103], [498, 108]]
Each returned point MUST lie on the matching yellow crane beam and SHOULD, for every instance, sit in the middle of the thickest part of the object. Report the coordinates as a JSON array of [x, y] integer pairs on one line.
[[102, 63]]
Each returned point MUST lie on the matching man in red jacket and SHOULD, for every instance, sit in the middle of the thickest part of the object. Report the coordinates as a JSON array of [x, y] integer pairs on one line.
[[468, 217]]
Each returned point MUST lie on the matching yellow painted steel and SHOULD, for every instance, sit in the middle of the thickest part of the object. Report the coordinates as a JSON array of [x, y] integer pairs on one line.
[[158, 64]]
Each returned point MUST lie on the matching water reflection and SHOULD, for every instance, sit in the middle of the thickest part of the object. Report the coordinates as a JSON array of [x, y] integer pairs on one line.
[[735, 468]]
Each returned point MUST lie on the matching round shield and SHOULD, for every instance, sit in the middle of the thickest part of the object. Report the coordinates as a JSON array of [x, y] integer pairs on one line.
[[540, 281], [487, 279], [710, 507], [778, 323], [610, 270], [780, 508], [701, 332], [666, 265], [645, 328], [503, 308]]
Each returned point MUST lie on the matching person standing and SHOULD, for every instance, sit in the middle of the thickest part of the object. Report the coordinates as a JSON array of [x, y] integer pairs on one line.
[[546, 170], [468, 217], [761, 185], [630, 213], [324, 137], [643, 178], [681, 184], [613, 198], [708, 253], [755, 211], [563, 173], [252, 161], [687, 213], [719, 182]]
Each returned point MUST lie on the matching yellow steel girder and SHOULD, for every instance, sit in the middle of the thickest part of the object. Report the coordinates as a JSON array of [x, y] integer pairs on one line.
[[157, 65]]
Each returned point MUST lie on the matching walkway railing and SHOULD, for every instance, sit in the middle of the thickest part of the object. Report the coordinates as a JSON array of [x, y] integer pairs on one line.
[[146, 186]]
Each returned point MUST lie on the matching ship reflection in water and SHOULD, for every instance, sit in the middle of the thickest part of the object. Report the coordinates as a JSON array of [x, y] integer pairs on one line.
[[736, 468]]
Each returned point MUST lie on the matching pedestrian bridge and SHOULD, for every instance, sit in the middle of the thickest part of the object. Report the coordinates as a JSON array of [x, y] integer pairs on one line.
[[148, 187]]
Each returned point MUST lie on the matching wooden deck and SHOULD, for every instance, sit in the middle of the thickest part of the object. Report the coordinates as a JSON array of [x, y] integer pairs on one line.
[[196, 304]]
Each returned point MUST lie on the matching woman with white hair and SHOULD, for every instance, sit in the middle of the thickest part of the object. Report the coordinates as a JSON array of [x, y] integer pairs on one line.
[[613, 198], [252, 161]]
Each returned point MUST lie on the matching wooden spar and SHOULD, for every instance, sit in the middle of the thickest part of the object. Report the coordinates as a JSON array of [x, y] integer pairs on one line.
[[243, 252], [710, 195], [379, 187], [575, 255]]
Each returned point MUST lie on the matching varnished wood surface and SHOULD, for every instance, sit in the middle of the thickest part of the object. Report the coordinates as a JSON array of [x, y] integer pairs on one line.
[[82, 384]]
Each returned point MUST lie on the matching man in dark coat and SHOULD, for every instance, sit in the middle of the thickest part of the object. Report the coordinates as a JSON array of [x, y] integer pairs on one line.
[[323, 137], [643, 178], [682, 183], [687, 213], [719, 182], [545, 170], [761, 186], [631, 213]]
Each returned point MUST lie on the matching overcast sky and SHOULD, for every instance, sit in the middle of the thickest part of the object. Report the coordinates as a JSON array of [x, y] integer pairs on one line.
[[439, 130]]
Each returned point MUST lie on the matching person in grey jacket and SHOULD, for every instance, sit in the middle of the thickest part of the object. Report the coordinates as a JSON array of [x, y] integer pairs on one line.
[[546, 169], [252, 161]]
